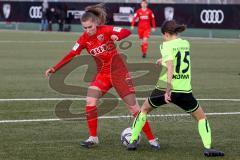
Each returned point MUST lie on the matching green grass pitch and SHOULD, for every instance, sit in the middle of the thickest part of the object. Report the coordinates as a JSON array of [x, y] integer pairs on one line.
[[26, 55]]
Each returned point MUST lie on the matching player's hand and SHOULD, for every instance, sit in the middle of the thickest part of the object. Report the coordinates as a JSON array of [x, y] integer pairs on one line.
[[153, 29], [167, 96], [49, 71], [132, 27], [114, 37], [159, 61]]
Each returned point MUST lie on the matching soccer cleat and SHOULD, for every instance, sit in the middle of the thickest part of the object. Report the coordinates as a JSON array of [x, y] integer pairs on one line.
[[90, 142], [213, 153], [144, 56], [154, 143], [132, 146]]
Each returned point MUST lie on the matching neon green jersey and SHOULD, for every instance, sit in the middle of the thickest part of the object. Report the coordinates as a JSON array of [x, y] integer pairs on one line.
[[177, 50]]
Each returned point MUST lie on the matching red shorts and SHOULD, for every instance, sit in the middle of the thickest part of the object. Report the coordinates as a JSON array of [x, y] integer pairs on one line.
[[122, 84], [144, 33], [119, 78]]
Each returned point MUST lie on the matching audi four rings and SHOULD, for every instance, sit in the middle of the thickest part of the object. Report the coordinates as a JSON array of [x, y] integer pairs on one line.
[[212, 16], [35, 12]]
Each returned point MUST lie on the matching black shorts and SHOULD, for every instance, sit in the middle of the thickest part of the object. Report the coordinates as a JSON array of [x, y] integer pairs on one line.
[[186, 101]]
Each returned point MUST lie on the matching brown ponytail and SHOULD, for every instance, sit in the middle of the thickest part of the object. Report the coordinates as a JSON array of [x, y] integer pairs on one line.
[[180, 28], [172, 27], [96, 13]]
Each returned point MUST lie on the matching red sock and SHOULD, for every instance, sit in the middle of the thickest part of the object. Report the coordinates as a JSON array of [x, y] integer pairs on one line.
[[92, 120], [144, 47], [146, 129]]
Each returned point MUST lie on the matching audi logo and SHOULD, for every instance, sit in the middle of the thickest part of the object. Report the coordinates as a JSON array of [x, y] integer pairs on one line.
[[99, 49], [35, 12], [212, 16]]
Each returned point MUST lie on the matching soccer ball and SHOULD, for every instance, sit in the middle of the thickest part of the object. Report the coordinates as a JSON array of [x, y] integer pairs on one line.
[[126, 136]]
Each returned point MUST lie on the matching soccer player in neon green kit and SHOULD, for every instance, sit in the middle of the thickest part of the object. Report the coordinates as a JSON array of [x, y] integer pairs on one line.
[[174, 86]]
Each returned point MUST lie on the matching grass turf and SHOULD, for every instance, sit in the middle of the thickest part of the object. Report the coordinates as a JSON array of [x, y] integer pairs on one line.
[[26, 55]]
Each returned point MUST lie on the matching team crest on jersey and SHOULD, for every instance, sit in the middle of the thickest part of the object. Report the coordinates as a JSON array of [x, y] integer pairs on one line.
[[100, 37], [88, 43]]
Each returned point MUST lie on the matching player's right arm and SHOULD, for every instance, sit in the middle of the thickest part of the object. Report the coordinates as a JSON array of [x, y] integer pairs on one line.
[[136, 16], [167, 58], [76, 50], [167, 94]]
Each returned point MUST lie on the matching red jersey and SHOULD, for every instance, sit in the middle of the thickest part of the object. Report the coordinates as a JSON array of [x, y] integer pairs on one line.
[[146, 17], [100, 46]]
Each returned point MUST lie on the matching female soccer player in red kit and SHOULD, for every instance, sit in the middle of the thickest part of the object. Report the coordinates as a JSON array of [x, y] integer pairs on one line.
[[146, 17], [98, 39]]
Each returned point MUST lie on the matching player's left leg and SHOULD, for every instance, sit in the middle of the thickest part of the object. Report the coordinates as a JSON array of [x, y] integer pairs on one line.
[[123, 84], [155, 100], [133, 107], [205, 133], [139, 123], [144, 46], [187, 102], [143, 41]]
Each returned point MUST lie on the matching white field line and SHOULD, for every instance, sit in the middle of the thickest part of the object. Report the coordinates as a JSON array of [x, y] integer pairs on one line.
[[111, 117], [80, 99]]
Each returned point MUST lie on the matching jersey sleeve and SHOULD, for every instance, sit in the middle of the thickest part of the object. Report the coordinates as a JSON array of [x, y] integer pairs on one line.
[[76, 50], [121, 33], [135, 17], [166, 53]]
